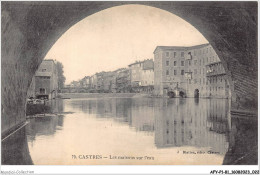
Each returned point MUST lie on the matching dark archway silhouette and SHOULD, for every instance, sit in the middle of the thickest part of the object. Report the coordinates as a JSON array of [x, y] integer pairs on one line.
[[171, 94], [181, 94]]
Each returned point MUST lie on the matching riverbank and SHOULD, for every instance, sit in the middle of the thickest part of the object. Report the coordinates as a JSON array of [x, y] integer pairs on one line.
[[102, 95]]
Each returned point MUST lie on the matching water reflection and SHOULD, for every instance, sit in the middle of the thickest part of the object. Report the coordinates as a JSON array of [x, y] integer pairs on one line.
[[46, 126], [181, 123], [161, 127]]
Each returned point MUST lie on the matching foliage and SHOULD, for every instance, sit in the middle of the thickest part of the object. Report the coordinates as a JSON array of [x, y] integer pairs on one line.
[[61, 77]]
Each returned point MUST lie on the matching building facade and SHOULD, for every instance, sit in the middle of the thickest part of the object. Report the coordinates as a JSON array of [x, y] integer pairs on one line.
[[188, 72], [45, 81], [147, 76], [135, 73], [142, 76]]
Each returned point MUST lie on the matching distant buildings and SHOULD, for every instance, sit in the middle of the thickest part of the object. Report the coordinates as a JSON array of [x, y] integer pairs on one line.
[[176, 71], [100, 82], [123, 81], [135, 73], [189, 72], [85, 82], [142, 76], [93, 81], [109, 82], [45, 82]]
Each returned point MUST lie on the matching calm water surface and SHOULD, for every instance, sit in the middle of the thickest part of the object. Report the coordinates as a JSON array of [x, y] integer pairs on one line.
[[161, 131]]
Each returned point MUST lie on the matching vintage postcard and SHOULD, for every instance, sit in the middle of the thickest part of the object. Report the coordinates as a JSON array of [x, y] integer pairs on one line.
[[129, 83]]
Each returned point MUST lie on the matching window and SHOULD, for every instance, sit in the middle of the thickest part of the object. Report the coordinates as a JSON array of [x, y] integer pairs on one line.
[[44, 77], [195, 62], [195, 71], [200, 62], [42, 91], [174, 54], [189, 62], [167, 72], [182, 54], [195, 52], [167, 54], [182, 72], [182, 63], [43, 70], [175, 63], [195, 81], [167, 63], [190, 56], [175, 72]]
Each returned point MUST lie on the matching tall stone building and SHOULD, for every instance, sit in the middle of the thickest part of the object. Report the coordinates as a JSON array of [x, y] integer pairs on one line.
[[194, 71], [45, 82]]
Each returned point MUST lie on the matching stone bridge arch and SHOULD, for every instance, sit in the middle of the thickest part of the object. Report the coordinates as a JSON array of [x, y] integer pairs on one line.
[[29, 30]]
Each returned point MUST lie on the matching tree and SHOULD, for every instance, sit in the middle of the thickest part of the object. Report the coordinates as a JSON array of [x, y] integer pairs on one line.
[[61, 77]]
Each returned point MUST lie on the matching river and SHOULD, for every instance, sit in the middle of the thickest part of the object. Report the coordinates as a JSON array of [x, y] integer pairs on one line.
[[114, 131]]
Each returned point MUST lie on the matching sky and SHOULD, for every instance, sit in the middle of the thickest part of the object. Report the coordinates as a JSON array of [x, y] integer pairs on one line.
[[118, 36]]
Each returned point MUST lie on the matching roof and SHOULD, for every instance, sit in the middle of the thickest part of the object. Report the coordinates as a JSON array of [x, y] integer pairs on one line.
[[137, 62], [148, 64], [181, 47], [198, 46], [43, 74], [49, 60], [216, 62]]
